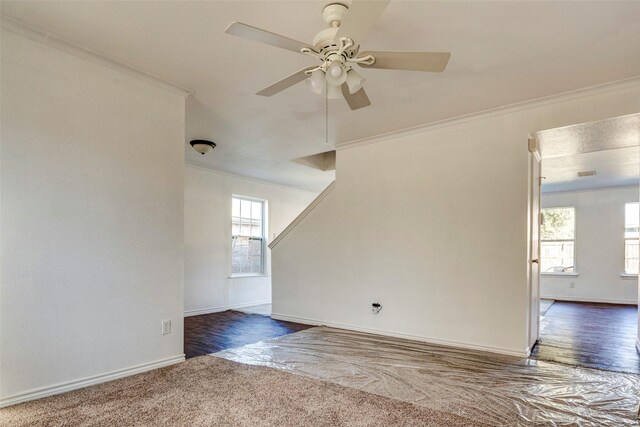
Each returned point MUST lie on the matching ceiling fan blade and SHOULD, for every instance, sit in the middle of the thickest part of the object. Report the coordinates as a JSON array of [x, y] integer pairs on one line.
[[264, 36], [285, 83], [359, 19], [356, 100], [413, 61]]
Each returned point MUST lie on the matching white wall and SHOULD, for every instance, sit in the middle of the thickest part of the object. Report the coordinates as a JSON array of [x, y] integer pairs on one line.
[[599, 248], [431, 223], [92, 221], [207, 224]]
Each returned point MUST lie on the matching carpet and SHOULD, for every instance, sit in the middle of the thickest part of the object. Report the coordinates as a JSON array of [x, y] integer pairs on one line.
[[209, 391]]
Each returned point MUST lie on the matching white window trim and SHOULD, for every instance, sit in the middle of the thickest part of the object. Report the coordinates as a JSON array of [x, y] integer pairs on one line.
[[551, 274], [265, 244], [625, 274], [624, 258], [575, 272]]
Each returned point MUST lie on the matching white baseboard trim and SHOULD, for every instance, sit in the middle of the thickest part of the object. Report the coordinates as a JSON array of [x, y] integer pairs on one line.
[[587, 299], [315, 322], [39, 393], [218, 309]]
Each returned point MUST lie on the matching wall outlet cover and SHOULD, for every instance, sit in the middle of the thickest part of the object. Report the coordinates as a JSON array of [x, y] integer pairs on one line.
[[166, 327]]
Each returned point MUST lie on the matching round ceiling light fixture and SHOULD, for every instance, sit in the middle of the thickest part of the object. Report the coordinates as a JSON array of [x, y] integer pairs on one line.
[[202, 146]]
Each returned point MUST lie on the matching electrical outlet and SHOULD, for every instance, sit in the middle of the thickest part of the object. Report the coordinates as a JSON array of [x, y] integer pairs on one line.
[[376, 307], [166, 327], [572, 285]]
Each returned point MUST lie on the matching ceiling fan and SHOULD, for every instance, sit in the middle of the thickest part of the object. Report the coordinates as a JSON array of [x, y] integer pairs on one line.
[[338, 49]]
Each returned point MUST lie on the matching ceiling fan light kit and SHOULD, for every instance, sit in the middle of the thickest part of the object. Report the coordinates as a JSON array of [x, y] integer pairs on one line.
[[354, 81], [338, 50], [317, 82]]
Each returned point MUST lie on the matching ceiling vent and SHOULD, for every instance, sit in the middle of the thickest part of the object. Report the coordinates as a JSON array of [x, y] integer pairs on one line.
[[586, 173]]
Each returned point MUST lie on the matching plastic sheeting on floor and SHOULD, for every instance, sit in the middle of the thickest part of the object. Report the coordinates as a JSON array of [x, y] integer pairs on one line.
[[494, 389]]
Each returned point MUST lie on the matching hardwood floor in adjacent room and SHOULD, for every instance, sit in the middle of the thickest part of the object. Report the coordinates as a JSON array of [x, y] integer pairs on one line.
[[209, 333], [601, 336]]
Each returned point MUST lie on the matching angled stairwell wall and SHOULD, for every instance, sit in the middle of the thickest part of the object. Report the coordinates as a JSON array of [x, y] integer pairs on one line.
[[432, 224]]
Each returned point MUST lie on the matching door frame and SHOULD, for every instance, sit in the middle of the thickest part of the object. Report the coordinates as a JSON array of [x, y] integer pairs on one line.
[[533, 249]]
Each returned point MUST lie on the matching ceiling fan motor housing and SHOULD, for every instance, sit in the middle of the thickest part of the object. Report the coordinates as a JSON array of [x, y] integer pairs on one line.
[[324, 41], [334, 13]]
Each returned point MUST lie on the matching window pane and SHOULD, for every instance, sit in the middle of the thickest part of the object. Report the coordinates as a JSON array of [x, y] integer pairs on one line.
[[556, 257], [235, 207], [247, 229], [558, 224], [247, 255], [631, 252], [631, 220], [256, 210], [245, 209]]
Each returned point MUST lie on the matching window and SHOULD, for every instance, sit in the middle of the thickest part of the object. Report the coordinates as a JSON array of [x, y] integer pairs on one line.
[[247, 236], [557, 240], [631, 234]]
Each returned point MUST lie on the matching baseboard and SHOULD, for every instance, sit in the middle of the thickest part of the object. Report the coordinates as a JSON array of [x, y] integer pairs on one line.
[[586, 299], [315, 322], [218, 309], [39, 393]]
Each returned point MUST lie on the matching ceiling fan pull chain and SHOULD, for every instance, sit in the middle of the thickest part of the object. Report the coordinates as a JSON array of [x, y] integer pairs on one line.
[[326, 114]]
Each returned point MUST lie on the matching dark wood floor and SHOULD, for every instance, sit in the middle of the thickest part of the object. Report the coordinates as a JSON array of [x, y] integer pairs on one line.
[[601, 336], [209, 333]]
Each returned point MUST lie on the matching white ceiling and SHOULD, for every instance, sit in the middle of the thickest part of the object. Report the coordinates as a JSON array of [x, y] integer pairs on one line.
[[614, 168], [502, 52], [615, 132], [610, 147]]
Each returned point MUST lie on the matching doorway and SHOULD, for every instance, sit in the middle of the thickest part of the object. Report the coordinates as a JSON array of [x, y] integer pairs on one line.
[[584, 274]]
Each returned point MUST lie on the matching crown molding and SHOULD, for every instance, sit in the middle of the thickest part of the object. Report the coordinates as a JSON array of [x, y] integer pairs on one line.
[[619, 85], [75, 49]]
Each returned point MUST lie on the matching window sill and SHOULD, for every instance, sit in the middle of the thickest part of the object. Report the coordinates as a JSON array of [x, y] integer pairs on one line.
[[247, 276], [629, 276], [560, 274]]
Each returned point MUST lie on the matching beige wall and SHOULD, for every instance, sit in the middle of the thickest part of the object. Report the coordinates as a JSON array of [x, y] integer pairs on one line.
[[92, 222], [431, 223]]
